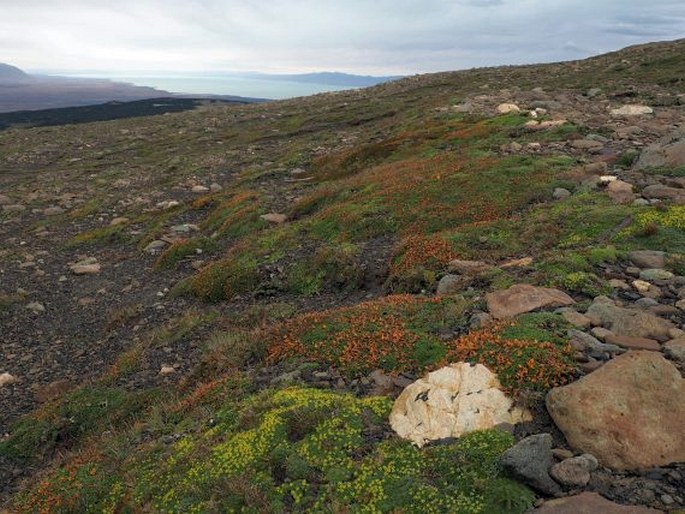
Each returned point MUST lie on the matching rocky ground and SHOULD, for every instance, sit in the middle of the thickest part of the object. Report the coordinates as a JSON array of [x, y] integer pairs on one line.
[[90, 213]]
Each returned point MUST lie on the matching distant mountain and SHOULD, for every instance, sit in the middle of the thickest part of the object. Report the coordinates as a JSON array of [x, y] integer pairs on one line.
[[329, 78], [10, 73]]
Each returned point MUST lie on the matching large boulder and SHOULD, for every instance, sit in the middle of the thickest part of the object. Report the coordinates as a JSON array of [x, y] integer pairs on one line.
[[620, 192], [523, 298], [452, 401], [667, 153], [629, 322], [590, 503], [662, 192], [629, 413]]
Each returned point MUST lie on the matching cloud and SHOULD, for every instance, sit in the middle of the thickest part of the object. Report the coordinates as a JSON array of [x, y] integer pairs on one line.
[[384, 36]]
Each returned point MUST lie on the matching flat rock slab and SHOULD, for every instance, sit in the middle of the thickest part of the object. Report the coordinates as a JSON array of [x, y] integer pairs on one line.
[[468, 267], [453, 401], [522, 298], [633, 343], [629, 322], [629, 413], [590, 503]]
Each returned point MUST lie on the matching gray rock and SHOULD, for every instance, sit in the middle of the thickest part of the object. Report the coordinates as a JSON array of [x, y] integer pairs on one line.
[[574, 472], [590, 345], [646, 303], [669, 152], [35, 307], [655, 274], [675, 349], [155, 246], [629, 322], [449, 285], [530, 460], [560, 193]]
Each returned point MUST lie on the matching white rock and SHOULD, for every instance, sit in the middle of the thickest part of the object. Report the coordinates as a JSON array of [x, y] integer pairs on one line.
[[452, 401], [506, 108], [632, 110], [167, 370], [200, 189], [36, 307], [7, 379], [605, 179], [641, 286]]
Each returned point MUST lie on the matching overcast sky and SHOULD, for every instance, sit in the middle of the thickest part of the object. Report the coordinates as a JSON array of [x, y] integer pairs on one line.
[[357, 36]]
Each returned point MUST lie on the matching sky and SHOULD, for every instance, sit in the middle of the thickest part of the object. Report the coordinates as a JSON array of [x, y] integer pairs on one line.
[[375, 37]]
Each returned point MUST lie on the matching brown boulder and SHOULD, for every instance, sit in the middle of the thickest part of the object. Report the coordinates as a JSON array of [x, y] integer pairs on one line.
[[629, 413], [523, 298], [590, 503], [620, 192]]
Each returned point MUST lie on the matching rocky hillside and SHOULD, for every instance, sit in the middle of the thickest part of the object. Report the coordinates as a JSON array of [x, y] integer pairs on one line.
[[459, 292]]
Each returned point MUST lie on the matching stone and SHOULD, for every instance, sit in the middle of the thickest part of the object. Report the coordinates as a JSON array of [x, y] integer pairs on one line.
[[646, 303], [620, 192], [680, 304], [121, 220], [519, 263], [13, 208], [655, 274], [661, 192], [53, 211], [155, 246], [185, 228], [35, 307], [586, 144], [275, 218], [522, 298], [200, 189], [629, 322], [632, 110], [595, 168], [383, 384], [641, 286], [590, 503], [675, 349], [607, 179], [629, 413], [449, 285], [648, 259], [669, 152], [601, 333], [633, 343], [594, 348], [88, 266], [506, 108], [215, 188], [529, 460], [7, 379], [576, 319], [560, 193], [562, 453], [167, 370], [574, 472], [619, 284], [468, 267], [452, 401]]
